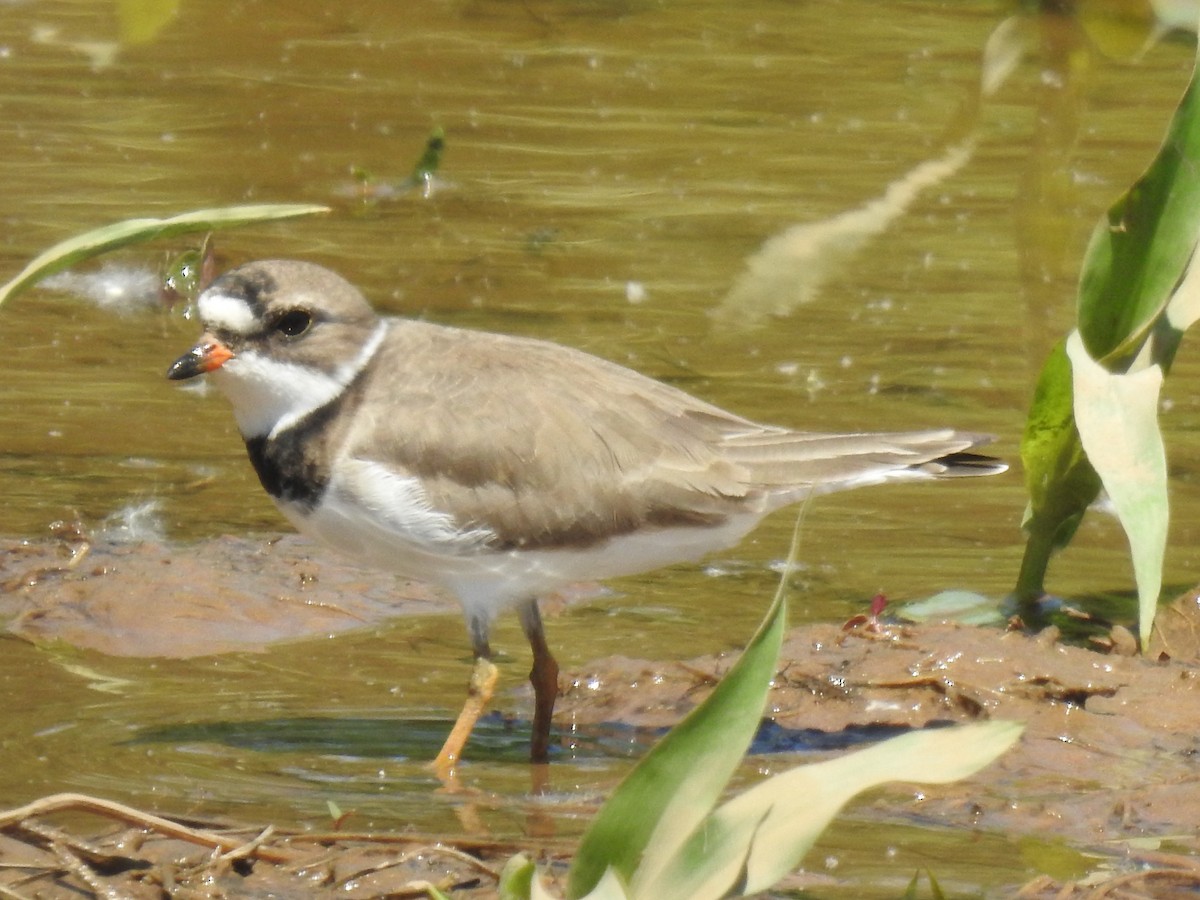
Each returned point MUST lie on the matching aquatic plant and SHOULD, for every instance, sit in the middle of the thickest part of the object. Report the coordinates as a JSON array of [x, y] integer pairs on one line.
[[1094, 418], [93, 243], [661, 834]]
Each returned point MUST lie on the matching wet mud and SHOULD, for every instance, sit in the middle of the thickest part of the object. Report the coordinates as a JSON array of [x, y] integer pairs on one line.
[[1108, 758], [223, 595], [1109, 749]]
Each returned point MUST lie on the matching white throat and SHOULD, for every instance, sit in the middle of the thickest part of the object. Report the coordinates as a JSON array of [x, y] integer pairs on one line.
[[268, 396]]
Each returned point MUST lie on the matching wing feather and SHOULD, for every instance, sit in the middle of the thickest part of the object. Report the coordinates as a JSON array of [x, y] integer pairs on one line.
[[547, 446]]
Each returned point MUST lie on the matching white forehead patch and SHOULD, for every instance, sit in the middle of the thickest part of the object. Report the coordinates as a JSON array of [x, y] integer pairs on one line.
[[225, 313]]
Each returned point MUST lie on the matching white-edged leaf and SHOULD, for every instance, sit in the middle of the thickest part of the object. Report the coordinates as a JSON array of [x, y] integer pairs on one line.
[[759, 836], [92, 243], [1117, 416], [675, 786], [517, 878], [677, 783]]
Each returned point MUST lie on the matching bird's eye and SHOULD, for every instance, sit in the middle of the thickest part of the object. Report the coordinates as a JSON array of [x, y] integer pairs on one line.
[[294, 323]]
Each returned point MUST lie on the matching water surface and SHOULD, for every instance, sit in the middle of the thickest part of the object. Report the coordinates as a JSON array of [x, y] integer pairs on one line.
[[616, 173]]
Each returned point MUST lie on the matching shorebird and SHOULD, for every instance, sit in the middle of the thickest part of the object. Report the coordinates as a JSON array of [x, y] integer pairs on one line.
[[503, 468]]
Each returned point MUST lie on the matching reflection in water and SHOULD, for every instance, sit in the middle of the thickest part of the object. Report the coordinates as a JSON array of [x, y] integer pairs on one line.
[[101, 54], [1047, 206], [136, 24], [1067, 46], [792, 267], [1129, 30]]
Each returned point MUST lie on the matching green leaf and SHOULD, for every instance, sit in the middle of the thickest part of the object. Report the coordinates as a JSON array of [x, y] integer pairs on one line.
[[131, 231], [516, 878], [1138, 254], [935, 889], [1138, 293], [1118, 424], [759, 836], [1058, 476], [676, 784]]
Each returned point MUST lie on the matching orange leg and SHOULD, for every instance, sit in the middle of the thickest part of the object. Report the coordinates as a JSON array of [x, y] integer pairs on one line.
[[479, 693]]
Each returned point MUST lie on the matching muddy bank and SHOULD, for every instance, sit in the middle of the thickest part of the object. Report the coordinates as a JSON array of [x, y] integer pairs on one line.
[[1107, 761], [218, 596], [1109, 751]]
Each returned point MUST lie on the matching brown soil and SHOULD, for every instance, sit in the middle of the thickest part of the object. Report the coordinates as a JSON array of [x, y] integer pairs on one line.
[[1081, 769], [221, 595], [1108, 753]]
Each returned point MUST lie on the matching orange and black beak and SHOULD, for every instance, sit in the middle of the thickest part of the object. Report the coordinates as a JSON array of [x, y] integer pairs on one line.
[[207, 355]]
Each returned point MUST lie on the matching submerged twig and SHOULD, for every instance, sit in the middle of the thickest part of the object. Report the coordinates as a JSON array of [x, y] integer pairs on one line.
[[248, 848], [131, 816]]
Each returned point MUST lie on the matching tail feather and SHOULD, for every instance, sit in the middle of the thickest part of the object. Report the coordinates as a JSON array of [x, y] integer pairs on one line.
[[963, 464], [790, 461]]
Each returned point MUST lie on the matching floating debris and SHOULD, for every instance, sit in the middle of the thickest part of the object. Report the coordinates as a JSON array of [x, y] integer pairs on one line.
[[114, 287]]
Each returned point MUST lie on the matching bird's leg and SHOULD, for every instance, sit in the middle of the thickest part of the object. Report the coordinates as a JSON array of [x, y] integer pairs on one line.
[[544, 678], [479, 693]]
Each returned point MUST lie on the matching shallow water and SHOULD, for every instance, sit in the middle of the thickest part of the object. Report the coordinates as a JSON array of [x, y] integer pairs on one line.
[[625, 177]]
